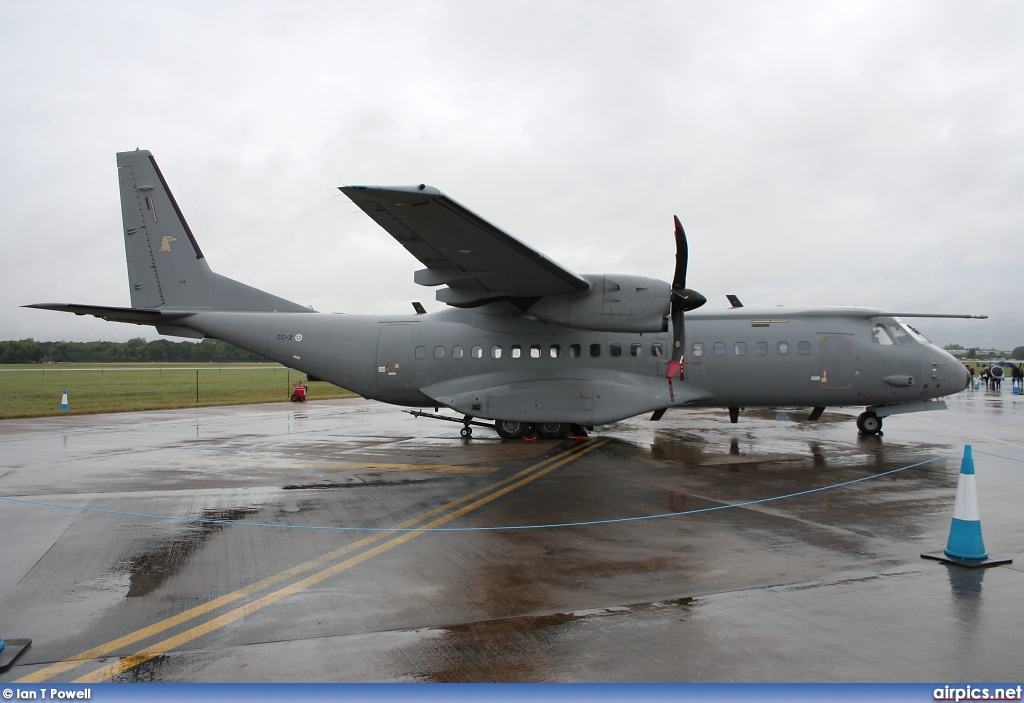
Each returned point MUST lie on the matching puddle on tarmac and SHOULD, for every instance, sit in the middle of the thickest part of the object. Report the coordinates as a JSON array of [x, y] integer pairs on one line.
[[519, 648], [149, 570]]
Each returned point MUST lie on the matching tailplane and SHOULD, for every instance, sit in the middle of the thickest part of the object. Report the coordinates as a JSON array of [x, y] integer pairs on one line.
[[166, 267]]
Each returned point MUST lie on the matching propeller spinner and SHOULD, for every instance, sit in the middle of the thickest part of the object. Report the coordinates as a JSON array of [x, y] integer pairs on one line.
[[683, 300]]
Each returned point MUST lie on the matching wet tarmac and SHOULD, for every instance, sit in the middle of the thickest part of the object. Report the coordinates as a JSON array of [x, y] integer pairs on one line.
[[144, 579]]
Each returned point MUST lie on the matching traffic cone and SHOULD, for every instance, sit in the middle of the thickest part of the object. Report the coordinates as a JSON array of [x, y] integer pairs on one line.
[[64, 400], [9, 654], [965, 545], [965, 540]]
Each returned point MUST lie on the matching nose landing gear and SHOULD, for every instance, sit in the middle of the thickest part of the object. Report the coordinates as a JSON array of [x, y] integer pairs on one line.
[[869, 423]]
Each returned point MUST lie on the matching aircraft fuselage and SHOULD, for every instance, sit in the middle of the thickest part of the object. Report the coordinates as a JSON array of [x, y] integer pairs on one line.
[[741, 357]]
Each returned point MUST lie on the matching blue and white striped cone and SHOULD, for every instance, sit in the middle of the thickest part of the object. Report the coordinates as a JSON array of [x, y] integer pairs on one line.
[[965, 540], [64, 400]]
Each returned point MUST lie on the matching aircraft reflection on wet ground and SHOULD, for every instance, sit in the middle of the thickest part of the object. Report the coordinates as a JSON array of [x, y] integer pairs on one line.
[[184, 578]]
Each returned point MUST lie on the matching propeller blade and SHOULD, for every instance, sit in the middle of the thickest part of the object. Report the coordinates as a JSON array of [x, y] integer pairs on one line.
[[682, 256], [683, 300]]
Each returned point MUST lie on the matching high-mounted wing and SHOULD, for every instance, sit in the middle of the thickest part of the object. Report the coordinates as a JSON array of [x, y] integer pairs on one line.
[[478, 262]]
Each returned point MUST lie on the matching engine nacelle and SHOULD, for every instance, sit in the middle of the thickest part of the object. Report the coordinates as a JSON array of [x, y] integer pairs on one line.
[[613, 303]]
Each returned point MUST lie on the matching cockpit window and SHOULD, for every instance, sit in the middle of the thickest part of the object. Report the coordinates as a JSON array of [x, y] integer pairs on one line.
[[913, 332], [880, 335], [898, 331]]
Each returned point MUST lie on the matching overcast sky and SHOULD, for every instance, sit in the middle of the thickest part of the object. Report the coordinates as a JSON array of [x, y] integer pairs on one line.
[[817, 153]]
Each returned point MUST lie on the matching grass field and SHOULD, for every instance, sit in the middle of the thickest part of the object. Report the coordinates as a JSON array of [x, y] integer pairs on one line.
[[34, 390]]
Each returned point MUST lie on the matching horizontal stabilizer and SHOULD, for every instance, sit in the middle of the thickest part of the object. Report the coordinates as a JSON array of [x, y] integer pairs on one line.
[[136, 316]]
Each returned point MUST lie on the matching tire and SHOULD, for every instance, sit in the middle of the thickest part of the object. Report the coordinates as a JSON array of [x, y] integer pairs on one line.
[[552, 430], [510, 429], [466, 432], [295, 398], [869, 423]]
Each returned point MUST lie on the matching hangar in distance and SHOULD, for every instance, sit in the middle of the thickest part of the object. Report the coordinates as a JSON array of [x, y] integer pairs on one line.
[[524, 342]]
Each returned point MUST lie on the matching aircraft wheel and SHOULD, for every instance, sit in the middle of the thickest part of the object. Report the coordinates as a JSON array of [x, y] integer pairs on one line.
[[552, 430], [510, 429], [869, 423], [466, 432]]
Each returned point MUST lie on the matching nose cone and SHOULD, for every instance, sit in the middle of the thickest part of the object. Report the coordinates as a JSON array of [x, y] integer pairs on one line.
[[948, 374]]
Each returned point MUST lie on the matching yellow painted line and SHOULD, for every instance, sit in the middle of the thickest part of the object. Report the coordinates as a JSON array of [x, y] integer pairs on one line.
[[107, 672], [104, 649], [327, 464], [976, 434], [373, 465]]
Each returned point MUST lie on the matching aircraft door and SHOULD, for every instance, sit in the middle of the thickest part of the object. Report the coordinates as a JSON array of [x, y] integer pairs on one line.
[[393, 357], [837, 361]]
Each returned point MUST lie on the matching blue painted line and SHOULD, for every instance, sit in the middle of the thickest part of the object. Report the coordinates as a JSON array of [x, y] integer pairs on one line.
[[479, 529], [997, 456]]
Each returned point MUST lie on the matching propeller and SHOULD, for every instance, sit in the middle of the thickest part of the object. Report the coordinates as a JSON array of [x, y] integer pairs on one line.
[[683, 300]]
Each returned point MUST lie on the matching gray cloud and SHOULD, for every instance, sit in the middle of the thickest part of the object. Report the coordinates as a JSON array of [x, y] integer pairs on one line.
[[818, 153]]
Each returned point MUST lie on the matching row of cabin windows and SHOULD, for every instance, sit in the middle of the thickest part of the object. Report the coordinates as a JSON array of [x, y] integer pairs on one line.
[[760, 348], [535, 351]]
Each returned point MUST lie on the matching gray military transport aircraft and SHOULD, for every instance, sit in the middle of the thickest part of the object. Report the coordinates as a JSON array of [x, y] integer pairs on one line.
[[526, 343]]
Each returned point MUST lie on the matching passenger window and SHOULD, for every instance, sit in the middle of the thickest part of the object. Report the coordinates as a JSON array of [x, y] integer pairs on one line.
[[496, 351], [880, 335], [535, 351], [554, 351], [574, 350], [761, 348], [615, 349], [636, 349], [456, 352], [719, 348], [421, 352], [438, 352], [783, 348], [740, 348], [595, 350], [517, 351], [657, 350], [478, 352], [804, 348], [698, 349]]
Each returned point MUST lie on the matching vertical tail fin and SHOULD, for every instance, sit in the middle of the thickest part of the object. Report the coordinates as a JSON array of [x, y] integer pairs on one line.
[[166, 267]]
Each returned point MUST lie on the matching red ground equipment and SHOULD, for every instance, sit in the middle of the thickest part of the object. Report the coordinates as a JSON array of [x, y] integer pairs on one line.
[[299, 396]]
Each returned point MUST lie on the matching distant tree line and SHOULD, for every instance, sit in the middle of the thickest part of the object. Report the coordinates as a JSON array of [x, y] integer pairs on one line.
[[984, 354], [29, 351]]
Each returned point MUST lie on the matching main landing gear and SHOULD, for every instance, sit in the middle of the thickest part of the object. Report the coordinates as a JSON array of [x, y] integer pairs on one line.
[[869, 423], [513, 429]]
